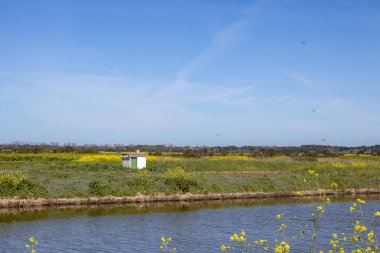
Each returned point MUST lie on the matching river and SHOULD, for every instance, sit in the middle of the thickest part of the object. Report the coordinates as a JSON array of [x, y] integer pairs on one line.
[[194, 227]]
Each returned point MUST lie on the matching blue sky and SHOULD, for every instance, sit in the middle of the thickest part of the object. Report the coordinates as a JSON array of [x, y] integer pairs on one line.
[[190, 72]]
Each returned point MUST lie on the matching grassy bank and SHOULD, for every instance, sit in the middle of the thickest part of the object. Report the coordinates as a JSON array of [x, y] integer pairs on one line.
[[67, 175]]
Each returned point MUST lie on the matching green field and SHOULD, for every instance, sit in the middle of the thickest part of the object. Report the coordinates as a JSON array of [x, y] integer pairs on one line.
[[71, 175]]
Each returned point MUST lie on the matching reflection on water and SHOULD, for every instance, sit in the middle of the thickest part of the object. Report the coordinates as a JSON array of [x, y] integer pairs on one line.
[[195, 226], [26, 214]]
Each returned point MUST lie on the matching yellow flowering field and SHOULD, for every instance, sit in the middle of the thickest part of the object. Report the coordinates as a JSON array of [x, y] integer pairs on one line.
[[111, 157]]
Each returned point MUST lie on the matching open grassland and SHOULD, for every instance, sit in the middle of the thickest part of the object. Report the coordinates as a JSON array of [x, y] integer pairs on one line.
[[70, 175]]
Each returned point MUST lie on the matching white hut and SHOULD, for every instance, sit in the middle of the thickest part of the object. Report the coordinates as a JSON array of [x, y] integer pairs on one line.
[[134, 161]]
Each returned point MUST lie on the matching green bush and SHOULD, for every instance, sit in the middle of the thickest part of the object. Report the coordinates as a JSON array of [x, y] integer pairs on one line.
[[14, 184], [181, 180], [95, 188], [144, 182]]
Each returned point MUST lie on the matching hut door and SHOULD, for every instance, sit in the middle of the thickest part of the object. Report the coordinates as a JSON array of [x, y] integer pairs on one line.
[[134, 162]]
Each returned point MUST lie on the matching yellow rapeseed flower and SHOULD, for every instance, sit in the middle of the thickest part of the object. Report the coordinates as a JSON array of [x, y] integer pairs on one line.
[[361, 201], [320, 208], [370, 236], [234, 237], [338, 165], [282, 227], [360, 228], [278, 249], [359, 165]]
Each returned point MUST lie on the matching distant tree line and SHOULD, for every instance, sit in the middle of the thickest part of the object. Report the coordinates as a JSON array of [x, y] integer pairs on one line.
[[188, 151]]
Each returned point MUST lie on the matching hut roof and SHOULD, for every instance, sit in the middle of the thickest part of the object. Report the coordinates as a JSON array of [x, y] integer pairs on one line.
[[135, 155]]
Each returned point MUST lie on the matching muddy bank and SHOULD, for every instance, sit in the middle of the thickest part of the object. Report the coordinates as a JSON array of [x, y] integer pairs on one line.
[[39, 202]]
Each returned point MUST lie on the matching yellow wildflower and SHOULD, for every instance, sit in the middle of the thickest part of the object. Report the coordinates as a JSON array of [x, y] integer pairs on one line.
[[234, 237], [361, 201], [283, 226], [338, 165], [320, 208], [360, 228]]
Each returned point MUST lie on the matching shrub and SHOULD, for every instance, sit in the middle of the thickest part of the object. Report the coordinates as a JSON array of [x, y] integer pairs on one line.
[[180, 179], [14, 184], [143, 182], [95, 188]]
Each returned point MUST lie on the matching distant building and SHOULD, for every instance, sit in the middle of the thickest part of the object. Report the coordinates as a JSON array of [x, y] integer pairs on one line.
[[134, 161]]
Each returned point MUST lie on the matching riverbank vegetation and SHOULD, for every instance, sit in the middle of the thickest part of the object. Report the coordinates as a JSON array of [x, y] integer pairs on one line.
[[58, 175]]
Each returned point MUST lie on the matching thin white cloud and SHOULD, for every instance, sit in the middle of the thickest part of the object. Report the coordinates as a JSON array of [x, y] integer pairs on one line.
[[102, 108], [195, 93], [224, 39], [304, 81], [233, 95]]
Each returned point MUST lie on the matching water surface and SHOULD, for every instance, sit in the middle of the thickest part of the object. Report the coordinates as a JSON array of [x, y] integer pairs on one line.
[[194, 227]]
